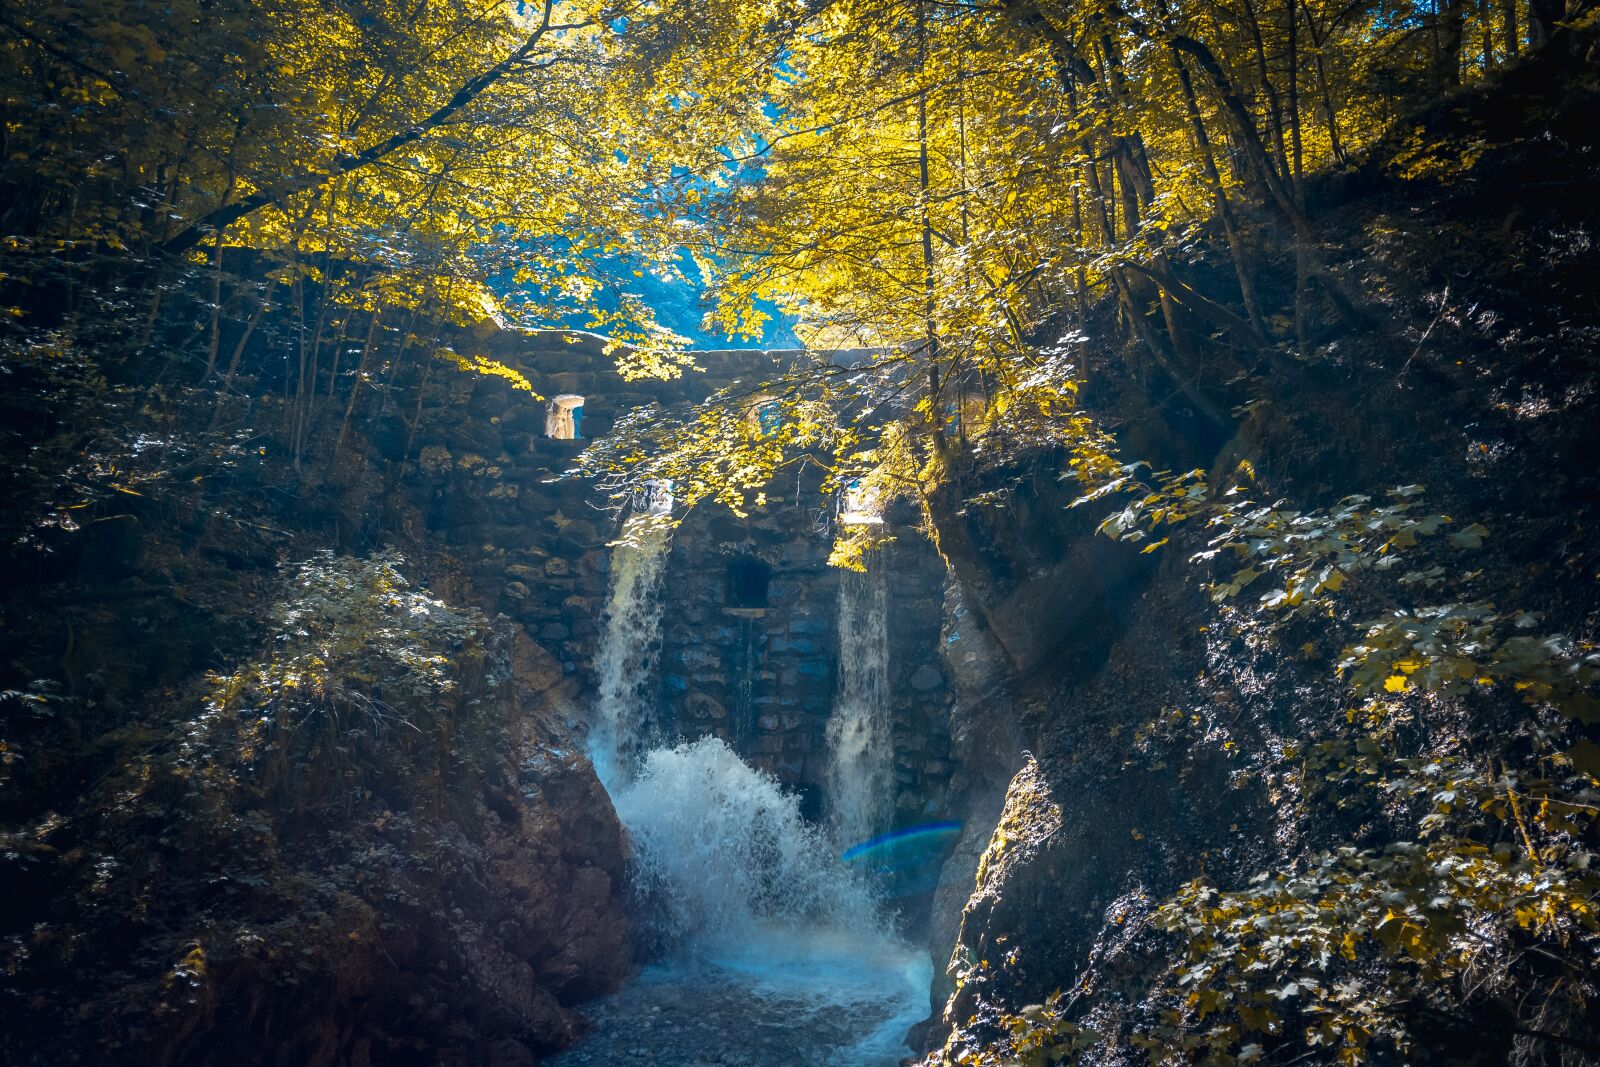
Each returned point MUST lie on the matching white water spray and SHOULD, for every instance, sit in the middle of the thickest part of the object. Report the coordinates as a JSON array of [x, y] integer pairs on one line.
[[630, 646], [860, 744], [723, 852], [776, 952]]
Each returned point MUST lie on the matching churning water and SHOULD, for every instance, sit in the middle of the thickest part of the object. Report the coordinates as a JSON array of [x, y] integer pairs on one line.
[[769, 950], [773, 952], [722, 854]]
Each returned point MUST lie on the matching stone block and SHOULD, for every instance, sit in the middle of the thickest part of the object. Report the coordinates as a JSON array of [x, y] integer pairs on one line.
[[581, 533], [536, 613], [704, 706], [697, 658]]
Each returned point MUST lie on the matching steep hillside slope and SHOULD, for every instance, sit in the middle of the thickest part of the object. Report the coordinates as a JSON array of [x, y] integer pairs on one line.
[[1217, 843], [276, 789]]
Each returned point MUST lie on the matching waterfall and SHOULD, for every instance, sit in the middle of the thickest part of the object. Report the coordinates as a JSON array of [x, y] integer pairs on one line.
[[770, 949], [860, 745], [624, 720], [719, 849]]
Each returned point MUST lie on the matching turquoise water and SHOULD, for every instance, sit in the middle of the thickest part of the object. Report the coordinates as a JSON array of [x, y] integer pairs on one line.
[[816, 999]]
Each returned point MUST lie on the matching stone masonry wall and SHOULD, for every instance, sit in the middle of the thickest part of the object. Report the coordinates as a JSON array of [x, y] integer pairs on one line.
[[536, 549]]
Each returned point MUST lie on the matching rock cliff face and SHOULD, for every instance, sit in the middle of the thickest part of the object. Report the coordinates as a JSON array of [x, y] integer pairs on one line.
[[383, 876], [441, 887], [1080, 794], [1142, 768], [1116, 734]]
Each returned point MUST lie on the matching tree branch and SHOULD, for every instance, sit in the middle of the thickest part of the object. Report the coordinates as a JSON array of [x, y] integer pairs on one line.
[[223, 217]]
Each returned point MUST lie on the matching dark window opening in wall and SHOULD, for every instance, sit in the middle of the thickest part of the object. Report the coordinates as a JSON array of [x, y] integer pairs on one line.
[[745, 589], [563, 417]]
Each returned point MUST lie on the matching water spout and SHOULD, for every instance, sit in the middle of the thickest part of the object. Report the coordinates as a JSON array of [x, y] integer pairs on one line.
[[860, 746], [624, 723]]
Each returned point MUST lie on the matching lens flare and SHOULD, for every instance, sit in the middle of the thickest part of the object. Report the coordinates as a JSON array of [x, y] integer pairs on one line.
[[893, 846]]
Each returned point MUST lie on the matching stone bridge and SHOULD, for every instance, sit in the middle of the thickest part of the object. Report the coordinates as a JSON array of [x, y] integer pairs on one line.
[[750, 648]]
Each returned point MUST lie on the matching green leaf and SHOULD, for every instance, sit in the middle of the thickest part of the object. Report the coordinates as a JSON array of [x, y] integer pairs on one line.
[[1580, 706], [1585, 755]]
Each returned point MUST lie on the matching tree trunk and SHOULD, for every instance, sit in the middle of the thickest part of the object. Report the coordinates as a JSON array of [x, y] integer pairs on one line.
[[1070, 66], [1486, 35], [1255, 151], [1274, 105], [1219, 195], [924, 181], [1302, 313], [1450, 19], [1330, 111], [1542, 18]]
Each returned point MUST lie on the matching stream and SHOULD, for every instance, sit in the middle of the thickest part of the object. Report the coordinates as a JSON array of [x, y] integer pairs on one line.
[[826, 1001]]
